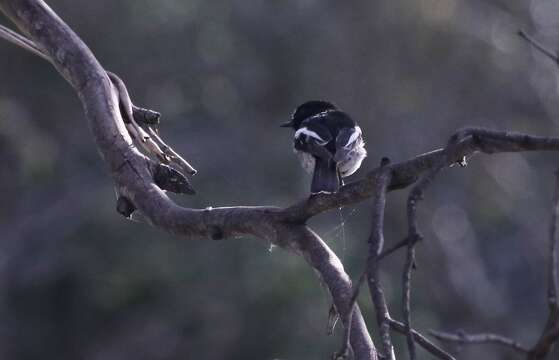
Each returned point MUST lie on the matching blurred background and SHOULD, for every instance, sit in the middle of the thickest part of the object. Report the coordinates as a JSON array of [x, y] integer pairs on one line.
[[77, 281]]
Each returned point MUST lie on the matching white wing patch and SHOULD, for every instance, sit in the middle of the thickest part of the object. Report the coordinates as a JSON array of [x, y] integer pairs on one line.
[[310, 133], [353, 138], [353, 159]]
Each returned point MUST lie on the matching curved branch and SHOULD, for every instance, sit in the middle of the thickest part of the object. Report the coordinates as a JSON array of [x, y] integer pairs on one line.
[[133, 172]]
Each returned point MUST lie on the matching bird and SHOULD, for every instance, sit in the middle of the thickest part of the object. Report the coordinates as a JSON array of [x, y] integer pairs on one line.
[[328, 142]]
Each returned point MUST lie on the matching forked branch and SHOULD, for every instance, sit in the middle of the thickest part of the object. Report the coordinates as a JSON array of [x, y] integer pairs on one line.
[[108, 110], [141, 180]]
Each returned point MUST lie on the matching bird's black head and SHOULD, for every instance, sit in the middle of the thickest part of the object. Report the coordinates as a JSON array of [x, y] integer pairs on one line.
[[306, 110]]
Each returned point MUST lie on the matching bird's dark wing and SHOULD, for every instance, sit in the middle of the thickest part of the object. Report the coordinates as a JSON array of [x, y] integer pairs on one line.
[[312, 138], [317, 150], [348, 137]]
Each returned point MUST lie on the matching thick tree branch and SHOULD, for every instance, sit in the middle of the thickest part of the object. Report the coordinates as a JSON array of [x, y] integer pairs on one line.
[[134, 176], [133, 172], [320, 257], [468, 141], [464, 143]]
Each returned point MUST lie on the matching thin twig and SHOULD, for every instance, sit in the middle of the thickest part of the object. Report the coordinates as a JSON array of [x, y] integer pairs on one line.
[[550, 333], [553, 283], [400, 244], [414, 235], [406, 297], [538, 46], [152, 143], [376, 241], [171, 154], [481, 338], [421, 341], [23, 42]]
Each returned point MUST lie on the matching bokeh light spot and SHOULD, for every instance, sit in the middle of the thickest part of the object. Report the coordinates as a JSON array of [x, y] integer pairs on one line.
[[450, 223]]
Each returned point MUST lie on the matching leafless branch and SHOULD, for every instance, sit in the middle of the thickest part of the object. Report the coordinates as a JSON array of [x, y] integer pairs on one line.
[[110, 112], [376, 243], [538, 46], [421, 340], [23, 42], [391, 250], [132, 114], [414, 236], [463, 338], [106, 104], [463, 143], [553, 284], [550, 333]]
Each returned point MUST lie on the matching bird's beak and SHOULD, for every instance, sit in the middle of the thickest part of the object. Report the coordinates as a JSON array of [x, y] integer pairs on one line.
[[287, 124]]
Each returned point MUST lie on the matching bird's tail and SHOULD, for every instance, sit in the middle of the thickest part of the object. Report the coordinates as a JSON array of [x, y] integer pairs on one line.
[[325, 177]]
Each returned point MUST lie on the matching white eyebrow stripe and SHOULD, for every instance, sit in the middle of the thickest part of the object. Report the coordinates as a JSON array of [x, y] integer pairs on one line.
[[354, 136], [310, 133]]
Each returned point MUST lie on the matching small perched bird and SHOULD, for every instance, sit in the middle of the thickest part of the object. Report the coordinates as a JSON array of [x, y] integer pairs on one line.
[[328, 142]]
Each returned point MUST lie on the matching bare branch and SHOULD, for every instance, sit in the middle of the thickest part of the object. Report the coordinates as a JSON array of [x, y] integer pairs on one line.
[[414, 236], [550, 333], [538, 46], [483, 338], [391, 250], [22, 41], [406, 296], [376, 243], [325, 261], [152, 143], [553, 283], [171, 154], [133, 172], [546, 342], [463, 143], [422, 341], [146, 116]]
